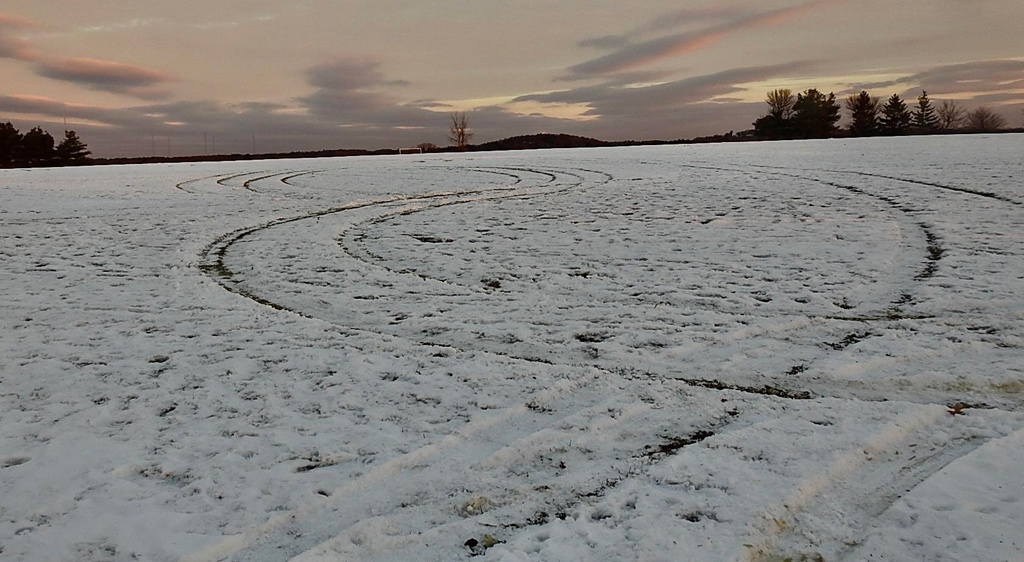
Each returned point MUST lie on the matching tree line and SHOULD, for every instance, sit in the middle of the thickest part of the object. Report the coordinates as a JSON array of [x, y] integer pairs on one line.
[[814, 115], [38, 148]]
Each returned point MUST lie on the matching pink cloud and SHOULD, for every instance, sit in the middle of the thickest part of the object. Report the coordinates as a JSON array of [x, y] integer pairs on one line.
[[108, 76], [95, 74], [636, 55], [16, 47], [15, 22]]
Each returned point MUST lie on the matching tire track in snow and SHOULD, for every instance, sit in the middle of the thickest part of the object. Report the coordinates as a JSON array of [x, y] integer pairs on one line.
[[181, 185], [964, 190], [223, 181], [287, 180], [765, 390], [774, 389], [248, 185], [276, 531], [237, 544], [515, 504], [364, 256], [933, 251], [212, 256], [857, 487], [893, 315], [327, 522], [783, 539], [804, 496], [769, 391]]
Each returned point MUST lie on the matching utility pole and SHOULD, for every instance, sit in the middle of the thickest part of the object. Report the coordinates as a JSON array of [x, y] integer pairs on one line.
[[254, 143], [152, 141], [206, 147], [215, 143]]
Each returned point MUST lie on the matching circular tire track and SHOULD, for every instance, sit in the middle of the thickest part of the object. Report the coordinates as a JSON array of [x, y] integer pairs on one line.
[[319, 521], [214, 264]]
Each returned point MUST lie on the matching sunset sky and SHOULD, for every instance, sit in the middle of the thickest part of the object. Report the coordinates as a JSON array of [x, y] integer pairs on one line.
[[132, 76]]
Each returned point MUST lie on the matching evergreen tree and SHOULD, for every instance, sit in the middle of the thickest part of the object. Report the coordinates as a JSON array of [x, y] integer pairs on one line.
[[896, 118], [72, 149], [10, 145], [37, 147], [778, 123], [773, 127], [925, 118], [864, 112], [815, 115]]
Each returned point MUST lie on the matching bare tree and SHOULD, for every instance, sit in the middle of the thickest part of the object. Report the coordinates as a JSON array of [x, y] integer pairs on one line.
[[459, 133], [780, 103], [984, 119], [951, 116], [427, 147]]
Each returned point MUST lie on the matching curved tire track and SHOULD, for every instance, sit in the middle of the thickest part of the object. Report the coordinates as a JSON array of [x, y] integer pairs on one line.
[[318, 527], [279, 531]]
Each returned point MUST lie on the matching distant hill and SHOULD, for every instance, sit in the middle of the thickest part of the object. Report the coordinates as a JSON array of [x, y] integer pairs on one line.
[[542, 140]]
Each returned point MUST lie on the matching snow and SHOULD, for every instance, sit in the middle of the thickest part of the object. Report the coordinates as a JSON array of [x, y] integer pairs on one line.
[[764, 351]]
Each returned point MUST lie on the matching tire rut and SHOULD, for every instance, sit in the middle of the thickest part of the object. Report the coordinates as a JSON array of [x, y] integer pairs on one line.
[[278, 535]]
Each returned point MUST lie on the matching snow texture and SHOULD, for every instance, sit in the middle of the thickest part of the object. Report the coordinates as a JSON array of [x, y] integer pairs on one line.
[[750, 352]]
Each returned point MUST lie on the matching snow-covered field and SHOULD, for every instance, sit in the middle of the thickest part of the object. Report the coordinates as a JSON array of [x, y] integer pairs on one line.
[[804, 351]]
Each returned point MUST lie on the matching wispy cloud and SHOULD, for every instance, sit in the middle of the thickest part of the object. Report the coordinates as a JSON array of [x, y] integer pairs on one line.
[[352, 104], [630, 56], [350, 107], [606, 99], [665, 22], [142, 23], [965, 79], [134, 23], [14, 22]]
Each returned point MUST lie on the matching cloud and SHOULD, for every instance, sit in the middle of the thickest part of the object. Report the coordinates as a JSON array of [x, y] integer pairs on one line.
[[142, 23], [1000, 99], [607, 99], [693, 106], [350, 107], [15, 22], [630, 56], [15, 47], [134, 23], [664, 22], [128, 118], [349, 90], [967, 79], [108, 76], [346, 74], [430, 104]]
